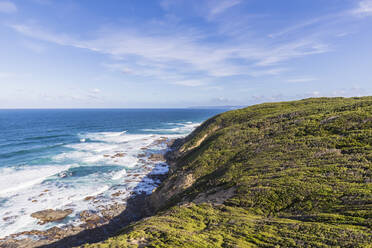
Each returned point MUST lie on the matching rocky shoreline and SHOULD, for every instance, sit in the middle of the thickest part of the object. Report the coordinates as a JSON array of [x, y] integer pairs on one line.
[[98, 225]]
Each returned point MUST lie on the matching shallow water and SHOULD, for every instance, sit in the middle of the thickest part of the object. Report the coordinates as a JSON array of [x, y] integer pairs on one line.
[[56, 158]]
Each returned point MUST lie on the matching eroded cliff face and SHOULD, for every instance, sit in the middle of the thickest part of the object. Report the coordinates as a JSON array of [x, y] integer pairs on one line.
[[179, 179]]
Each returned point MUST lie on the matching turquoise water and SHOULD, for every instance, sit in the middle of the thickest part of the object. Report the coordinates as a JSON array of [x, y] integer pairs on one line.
[[56, 158]]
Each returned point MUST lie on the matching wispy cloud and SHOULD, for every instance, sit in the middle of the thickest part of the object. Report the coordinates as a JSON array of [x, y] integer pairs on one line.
[[300, 26], [216, 47], [40, 34], [93, 94], [7, 7], [291, 50], [301, 80], [191, 83], [181, 53], [364, 8], [329, 23], [219, 6], [209, 9]]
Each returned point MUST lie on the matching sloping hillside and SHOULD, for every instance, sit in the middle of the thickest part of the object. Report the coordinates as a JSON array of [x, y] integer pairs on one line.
[[290, 174]]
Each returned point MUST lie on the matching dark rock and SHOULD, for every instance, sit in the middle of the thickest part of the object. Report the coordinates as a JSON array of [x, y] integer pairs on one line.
[[89, 198], [156, 157]]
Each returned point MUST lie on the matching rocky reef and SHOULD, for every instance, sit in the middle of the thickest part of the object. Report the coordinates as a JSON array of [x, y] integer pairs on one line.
[[98, 225]]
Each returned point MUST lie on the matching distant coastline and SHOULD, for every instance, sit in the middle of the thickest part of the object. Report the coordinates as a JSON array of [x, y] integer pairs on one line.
[[227, 107]]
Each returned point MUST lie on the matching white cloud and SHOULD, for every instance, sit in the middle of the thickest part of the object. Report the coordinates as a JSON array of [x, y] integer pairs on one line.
[[95, 90], [191, 83], [93, 94], [7, 7], [81, 95], [220, 100], [301, 80], [315, 93], [353, 91], [364, 8]]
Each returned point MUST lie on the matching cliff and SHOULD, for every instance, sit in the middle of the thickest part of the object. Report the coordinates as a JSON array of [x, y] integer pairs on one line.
[[288, 174]]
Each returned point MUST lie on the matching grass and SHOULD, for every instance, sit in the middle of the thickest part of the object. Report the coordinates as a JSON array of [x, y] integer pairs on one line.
[[301, 172]]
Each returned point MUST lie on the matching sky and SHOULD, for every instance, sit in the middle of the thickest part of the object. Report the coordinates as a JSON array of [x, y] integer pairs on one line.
[[181, 53]]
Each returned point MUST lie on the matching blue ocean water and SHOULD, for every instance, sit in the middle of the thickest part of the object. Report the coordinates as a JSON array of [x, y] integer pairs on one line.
[[56, 158]]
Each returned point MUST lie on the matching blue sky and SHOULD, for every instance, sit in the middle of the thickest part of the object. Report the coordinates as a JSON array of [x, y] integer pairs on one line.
[[179, 53]]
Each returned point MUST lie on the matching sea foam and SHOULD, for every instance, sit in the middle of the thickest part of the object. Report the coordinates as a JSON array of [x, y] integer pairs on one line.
[[13, 180], [178, 128], [99, 165]]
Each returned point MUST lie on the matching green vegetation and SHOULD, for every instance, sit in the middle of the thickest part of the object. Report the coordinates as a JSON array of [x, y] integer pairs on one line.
[[290, 174]]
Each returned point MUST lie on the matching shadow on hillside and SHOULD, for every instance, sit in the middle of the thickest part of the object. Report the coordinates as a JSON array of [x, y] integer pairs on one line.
[[137, 207]]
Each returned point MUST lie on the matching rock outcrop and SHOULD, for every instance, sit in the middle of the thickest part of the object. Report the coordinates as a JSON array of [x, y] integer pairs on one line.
[[50, 215]]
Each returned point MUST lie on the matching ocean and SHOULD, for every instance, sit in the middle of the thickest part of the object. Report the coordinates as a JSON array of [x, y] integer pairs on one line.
[[55, 159]]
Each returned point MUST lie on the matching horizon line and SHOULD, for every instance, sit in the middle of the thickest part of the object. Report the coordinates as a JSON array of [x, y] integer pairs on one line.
[[196, 107]]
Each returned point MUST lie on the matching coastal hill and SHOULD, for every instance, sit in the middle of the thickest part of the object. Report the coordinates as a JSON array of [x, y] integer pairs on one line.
[[288, 174]]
